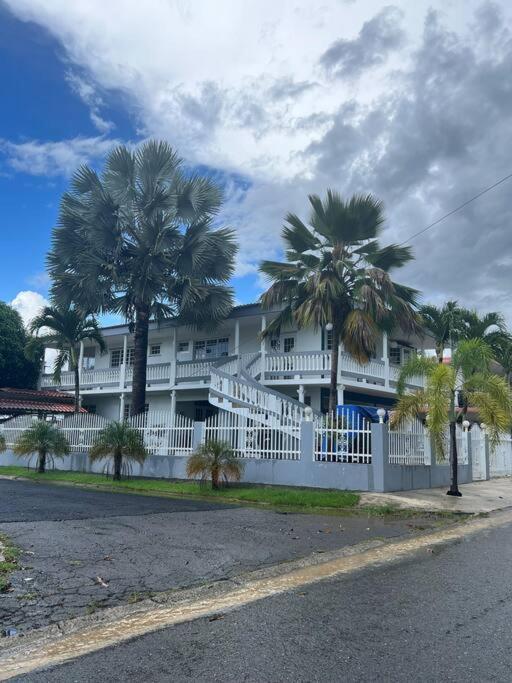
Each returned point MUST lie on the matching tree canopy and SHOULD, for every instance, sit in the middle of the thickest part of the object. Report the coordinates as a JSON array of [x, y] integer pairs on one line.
[[16, 370]]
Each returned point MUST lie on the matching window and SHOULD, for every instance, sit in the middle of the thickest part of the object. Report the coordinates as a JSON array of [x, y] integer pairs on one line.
[[328, 340], [183, 347], [90, 409], [89, 358], [154, 349], [116, 357], [211, 348], [399, 353], [289, 344]]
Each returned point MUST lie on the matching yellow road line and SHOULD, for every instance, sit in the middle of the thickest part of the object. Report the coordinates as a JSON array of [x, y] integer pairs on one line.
[[42, 654]]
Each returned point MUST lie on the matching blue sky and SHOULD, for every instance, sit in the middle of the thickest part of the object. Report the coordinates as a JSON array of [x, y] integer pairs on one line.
[[408, 101]]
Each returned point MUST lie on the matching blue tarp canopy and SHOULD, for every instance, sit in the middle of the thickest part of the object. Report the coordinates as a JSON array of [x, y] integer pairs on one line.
[[369, 412]]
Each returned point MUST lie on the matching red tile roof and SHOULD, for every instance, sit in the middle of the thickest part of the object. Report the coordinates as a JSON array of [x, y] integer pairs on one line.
[[30, 401]]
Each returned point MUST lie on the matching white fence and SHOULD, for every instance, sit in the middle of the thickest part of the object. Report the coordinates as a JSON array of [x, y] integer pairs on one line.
[[500, 458], [163, 433], [81, 430], [12, 429], [344, 437], [279, 439], [408, 445]]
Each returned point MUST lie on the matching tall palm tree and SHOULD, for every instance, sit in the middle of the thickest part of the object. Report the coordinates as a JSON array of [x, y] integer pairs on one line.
[[139, 240], [216, 461], [3, 445], [65, 329], [490, 327], [42, 438], [120, 442], [503, 355], [445, 324], [468, 374], [337, 272]]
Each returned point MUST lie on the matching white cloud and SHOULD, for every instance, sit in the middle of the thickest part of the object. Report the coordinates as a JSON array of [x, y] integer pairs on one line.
[[241, 86], [54, 158], [88, 94], [28, 304]]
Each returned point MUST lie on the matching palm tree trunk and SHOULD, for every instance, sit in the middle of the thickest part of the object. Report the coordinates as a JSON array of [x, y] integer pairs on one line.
[[118, 461], [333, 387], [140, 353], [215, 478], [454, 482], [76, 371], [41, 463]]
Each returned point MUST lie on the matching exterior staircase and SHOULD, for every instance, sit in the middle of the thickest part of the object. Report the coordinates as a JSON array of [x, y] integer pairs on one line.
[[234, 387]]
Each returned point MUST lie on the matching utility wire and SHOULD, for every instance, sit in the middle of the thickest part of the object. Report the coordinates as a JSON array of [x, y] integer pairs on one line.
[[458, 208]]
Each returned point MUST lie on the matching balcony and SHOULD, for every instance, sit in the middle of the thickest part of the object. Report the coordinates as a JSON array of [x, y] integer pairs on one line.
[[309, 367]]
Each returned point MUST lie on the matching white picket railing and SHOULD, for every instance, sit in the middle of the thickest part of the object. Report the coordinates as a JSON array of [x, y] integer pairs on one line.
[[344, 437], [307, 362], [13, 428], [242, 393], [374, 368], [163, 433], [101, 376], [408, 444], [67, 379], [500, 458], [194, 369], [277, 440], [81, 430]]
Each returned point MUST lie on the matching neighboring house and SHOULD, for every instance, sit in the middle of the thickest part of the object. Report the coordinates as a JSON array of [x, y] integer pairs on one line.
[[195, 373]]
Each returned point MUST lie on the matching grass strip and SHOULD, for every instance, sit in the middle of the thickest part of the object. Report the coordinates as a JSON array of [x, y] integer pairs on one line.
[[249, 493]]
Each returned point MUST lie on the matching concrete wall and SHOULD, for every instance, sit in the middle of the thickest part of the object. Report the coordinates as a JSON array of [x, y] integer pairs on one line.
[[379, 476]]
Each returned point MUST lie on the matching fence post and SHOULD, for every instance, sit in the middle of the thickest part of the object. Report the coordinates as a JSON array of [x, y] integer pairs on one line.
[[307, 440], [197, 438], [486, 459], [380, 458]]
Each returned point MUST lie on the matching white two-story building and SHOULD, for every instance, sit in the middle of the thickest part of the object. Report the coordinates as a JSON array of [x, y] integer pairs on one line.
[[196, 373]]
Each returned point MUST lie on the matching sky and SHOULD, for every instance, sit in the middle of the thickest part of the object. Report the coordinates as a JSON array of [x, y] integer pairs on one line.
[[409, 101]]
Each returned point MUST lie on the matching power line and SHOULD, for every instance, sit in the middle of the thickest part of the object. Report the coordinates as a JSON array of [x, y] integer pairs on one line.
[[458, 208]]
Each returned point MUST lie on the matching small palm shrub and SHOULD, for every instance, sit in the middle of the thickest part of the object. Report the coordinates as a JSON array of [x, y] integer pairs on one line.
[[42, 438], [3, 445], [122, 444], [216, 461]]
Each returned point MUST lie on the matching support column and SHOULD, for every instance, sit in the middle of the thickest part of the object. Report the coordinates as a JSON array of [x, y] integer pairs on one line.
[[237, 345], [174, 352], [385, 358], [340, 399], [263, 346], [381, 469], [122, 373], [173, 404], [301, 393], [121, 407]]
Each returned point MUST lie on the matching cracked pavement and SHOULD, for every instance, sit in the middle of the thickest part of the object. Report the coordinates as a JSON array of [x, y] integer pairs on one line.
[[84, 550]]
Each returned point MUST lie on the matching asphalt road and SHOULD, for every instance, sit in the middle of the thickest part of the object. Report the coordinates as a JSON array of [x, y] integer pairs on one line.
[[140, 545], [439, 616]]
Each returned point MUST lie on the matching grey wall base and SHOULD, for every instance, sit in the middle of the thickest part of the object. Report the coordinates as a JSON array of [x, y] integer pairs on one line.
[[379, 476]]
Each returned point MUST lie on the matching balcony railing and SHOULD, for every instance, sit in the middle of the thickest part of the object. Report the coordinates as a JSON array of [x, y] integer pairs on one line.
[[301, 365]]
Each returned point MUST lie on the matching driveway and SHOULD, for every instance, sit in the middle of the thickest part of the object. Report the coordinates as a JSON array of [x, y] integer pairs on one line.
[[85, 550]]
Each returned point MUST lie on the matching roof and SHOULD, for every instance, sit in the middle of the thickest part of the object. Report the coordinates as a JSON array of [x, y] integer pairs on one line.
[[19, 401]]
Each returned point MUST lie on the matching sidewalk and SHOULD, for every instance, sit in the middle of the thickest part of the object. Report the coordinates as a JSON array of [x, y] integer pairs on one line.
[[479, 496]]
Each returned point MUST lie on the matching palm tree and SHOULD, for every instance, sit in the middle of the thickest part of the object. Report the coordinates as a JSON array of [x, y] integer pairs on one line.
[[337, 273], [139, 240], [503, 355], [42, 438], [468, 374], [3, 445], [445, 324], [215, 460], [65, 329], [490, 327], [120, 442]]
